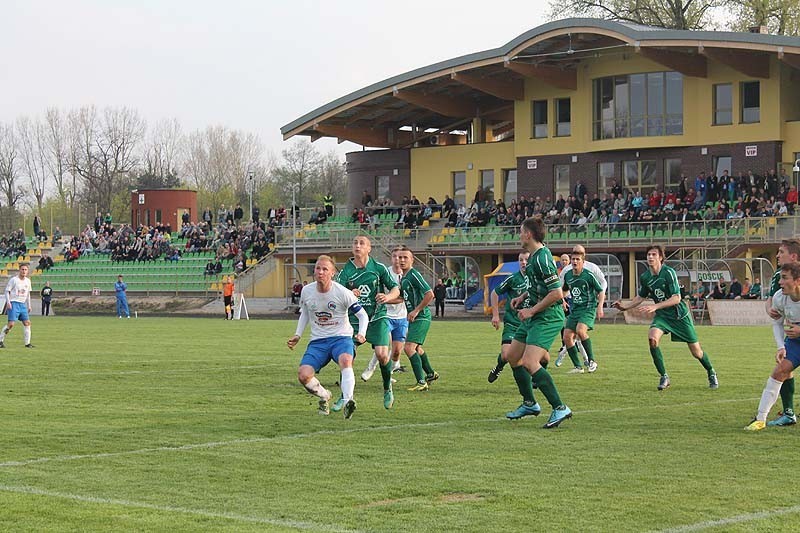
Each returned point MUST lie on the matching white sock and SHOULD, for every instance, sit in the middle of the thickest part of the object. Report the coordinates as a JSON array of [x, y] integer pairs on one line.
[[26, 334], [768, 398], [395, 365], [315, 387], [3, 333], [348, 383], [582, 349], [373, 363]]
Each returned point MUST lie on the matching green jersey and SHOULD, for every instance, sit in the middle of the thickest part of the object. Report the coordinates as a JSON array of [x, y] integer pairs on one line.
[[773, 283], [370, 280], [660, 287], [583, 289], [414, 288], [511, 287], [542, 277]]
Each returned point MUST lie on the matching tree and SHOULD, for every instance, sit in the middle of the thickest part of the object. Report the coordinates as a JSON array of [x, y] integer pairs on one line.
[[32, 135], [332, 177], [162, 150], [9, 166], [300, 170], [781, 17], [57, 145], [104, 150], [672, 14]]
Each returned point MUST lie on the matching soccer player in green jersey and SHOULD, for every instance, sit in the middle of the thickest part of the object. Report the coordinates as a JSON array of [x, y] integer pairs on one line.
[[511, 287], [587, 304], [660, 283], [373, 285], [788, 252], [541, 317], [417, 295]]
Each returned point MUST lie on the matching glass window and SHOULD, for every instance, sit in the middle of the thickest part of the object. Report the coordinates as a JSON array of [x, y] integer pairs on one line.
[[539, 119], [672, 174], [158, 216], [722, 163], [751, 101], [487, 182], [638, 105], [605, 176], [509, 185], [723, 104], [639, 176], [561, 180], [563, 117], [460, 188], [382, 187]]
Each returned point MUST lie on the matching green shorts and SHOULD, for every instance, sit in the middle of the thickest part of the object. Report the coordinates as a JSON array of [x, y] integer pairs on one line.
[[582, 316], [418, 330], [681, 329], [509, 329], [542, 329], [377, 332]]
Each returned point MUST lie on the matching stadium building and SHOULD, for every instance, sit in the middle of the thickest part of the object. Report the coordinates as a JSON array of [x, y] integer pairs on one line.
[[577, 105]]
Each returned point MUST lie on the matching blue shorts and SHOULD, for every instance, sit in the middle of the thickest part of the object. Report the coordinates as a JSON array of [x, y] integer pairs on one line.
[[793, 351], [320, 352], [18, 311], [398, 327]]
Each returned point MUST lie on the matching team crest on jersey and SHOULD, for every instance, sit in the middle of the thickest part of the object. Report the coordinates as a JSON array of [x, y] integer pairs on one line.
[[364, 291], [332, 306], [576, 292]]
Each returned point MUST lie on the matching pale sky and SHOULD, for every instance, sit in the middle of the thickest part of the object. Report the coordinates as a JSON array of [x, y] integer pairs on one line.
[[248, 65]]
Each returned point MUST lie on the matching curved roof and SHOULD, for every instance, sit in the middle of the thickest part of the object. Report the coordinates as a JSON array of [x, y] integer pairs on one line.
[[557, 45]]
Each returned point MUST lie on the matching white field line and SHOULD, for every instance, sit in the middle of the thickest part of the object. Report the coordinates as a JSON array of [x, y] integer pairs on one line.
[[137, 372], [326, 432], [294, 524], [738, 519]]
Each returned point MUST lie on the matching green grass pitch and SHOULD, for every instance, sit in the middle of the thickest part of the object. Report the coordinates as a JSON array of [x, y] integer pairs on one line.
[[176, 424]]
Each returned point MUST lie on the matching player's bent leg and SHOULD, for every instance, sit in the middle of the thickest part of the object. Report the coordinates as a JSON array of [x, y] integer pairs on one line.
[[416, 366], [502, 360], [654, 339], [700, 355], [544, 381]]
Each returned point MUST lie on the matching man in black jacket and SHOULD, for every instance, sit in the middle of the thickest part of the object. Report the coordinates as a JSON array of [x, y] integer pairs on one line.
[[439, 294]]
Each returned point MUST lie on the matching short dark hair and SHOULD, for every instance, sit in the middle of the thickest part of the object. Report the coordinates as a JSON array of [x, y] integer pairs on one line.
[[659, 248], [536, 227], [792, 246], [793, 269]]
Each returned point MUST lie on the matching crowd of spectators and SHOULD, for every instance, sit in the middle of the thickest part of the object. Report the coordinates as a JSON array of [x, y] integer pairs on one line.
[[720, 290], [13, 244]]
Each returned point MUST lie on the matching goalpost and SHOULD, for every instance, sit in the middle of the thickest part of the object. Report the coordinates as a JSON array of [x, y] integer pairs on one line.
[[239, 307]]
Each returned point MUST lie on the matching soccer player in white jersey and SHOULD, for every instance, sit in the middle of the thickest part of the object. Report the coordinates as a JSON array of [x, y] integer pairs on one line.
[[398, 326], [786, 330], [326, 304], [18, 304]]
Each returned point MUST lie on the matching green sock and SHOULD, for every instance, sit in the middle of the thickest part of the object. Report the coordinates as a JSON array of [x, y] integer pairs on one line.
[[500, 363], [545, 384], [523, 379], [658, 360], [787, 396], [707, 364], [587, 346], [386, 374], [416, 366], [426, 364], [574, 356]]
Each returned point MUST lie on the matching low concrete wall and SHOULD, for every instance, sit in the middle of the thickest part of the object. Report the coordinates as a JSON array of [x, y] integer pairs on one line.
[[738, 313]]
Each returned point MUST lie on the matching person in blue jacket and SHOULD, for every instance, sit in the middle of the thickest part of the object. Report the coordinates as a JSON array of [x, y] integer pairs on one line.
[[120, 288]]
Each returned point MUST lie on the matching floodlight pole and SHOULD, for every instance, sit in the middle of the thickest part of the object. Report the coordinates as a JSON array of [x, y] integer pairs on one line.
[[294, 230], [250, 187]]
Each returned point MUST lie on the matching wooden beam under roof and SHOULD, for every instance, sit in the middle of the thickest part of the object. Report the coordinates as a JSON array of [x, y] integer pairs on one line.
[[755, 65], [505, 90], [449, 107], [695, 66], [503, 113], [365, 113], [793, 60], [496, 132], [562, 79], [375, 137]]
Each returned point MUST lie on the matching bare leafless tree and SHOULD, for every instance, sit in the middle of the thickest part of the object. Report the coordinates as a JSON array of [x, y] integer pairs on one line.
[[298, 169], [163, 148], [57, 145], [332, 177], [104, 148], [9, 166], [673, 14], [32, 138]]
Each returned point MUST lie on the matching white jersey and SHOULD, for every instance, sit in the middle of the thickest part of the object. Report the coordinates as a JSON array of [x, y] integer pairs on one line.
[[18, 290], [592, 268], [327, 311], [790, 313], [394, 311]]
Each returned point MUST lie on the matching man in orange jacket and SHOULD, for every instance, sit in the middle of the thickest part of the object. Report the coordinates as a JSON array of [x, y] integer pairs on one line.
[[227, 295]]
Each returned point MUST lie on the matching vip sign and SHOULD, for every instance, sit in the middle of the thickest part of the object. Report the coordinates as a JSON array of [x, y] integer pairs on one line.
[[532, 164], [751, 151]]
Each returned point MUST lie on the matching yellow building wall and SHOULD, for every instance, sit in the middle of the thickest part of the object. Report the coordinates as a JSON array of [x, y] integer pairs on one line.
[[432, 168], [698, 128]]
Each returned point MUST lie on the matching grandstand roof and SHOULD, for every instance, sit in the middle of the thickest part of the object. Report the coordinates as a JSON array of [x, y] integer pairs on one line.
[[447, 95]]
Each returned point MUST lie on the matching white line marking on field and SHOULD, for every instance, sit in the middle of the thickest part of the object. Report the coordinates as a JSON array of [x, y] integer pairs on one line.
[[136, 372], [324, 432], [172, 509], [739, 519]]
